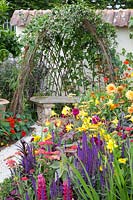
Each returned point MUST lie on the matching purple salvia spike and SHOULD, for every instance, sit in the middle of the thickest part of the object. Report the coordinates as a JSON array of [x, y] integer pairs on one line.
[[27, 196], [53, 135]]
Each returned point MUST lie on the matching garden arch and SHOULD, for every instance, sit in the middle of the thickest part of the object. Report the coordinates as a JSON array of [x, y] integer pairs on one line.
[[69, 49]]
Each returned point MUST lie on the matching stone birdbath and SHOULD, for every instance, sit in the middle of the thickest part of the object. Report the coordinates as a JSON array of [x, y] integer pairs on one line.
[[3, 104], [45, 104]]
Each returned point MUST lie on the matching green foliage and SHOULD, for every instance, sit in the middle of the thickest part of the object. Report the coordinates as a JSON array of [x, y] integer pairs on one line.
[[9, 44], [5, 188], [8, 40], [14, 128], [131, 27], [8, 79], [69, 58], [3, 10]]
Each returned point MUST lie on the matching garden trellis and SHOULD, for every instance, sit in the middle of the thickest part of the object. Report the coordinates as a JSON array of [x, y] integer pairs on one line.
[[67, 51]]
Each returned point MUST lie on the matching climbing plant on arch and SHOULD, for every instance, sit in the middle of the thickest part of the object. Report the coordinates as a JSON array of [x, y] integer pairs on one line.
[[66, 51]]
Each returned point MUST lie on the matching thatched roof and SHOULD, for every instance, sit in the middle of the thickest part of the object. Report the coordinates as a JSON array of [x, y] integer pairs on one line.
[[118, 18]]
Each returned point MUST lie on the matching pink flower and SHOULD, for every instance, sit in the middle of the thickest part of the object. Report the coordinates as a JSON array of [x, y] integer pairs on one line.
[[75, 111], [67, 192], [11, 163], [47, 142], [41, 190], [128, 129]]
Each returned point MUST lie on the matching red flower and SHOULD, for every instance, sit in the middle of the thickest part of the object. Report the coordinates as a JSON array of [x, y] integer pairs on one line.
[[23, 133], [45, 130], [105, 79], [131, 140], [19, 119], [12, 131], [10, 119], [126, 62], [12, 124], [24, 178]]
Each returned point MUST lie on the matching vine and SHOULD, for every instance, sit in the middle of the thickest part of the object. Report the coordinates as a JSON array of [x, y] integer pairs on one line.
[[74, 51]]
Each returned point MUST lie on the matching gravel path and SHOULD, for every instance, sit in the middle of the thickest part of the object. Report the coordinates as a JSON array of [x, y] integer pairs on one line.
[[9, 152]]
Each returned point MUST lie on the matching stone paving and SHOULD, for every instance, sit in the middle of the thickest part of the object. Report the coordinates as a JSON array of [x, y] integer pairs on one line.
[[9, 152]]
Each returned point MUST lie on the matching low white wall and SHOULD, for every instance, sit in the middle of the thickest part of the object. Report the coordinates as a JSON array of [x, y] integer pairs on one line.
[[124, 40], [19, 30]]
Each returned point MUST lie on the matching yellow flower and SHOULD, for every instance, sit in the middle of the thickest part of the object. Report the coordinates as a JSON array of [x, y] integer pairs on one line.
[[69, 127], [110, 102], [101, 168], [82, 128], [66, 110], [131, 119], [111, 88], [47, 137], [47, 123], [122, 160], [127, 116], [53, 113], [115, 121], [129, 95], [58, 123], [111, 145], [131, 74], [97, 102], [82, 114], [36, 138]]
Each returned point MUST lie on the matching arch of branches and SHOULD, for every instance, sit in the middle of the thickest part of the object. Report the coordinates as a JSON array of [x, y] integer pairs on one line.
[[66, 51]]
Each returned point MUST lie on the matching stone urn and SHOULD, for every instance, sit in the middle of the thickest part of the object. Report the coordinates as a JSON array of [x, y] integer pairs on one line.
[[3, 103]]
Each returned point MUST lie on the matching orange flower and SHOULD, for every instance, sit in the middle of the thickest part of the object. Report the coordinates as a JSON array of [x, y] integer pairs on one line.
[[120, 88], [130, 109], [113, 106], [111, 88]]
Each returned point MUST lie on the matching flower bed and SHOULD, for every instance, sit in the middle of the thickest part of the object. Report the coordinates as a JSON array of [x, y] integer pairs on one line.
[[13, 128], [85, 153]]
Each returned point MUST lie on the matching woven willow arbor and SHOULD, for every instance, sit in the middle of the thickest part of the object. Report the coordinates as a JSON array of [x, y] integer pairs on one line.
[[71, 50]]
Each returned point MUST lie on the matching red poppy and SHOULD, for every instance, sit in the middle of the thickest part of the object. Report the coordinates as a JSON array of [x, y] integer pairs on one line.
[[23, 133], [12, 131], [126, 62]]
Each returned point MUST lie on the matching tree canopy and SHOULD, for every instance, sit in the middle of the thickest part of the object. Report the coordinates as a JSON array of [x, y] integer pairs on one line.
[[48, 4]]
